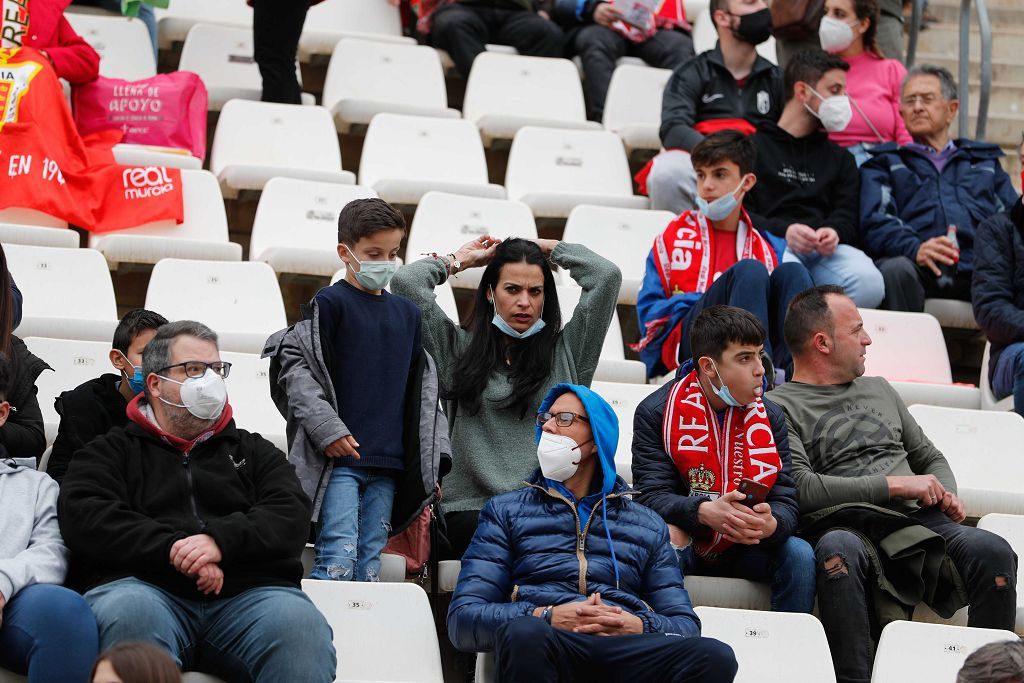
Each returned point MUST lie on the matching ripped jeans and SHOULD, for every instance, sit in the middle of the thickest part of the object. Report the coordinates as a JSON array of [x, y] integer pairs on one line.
[[355, 521], [986, 563]]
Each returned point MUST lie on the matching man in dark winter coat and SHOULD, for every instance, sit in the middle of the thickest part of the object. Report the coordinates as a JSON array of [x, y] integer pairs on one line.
[[187, 532], [571, 557], [998, 298]]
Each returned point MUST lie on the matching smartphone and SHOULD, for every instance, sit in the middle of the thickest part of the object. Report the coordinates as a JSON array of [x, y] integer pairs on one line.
[[755, 492]]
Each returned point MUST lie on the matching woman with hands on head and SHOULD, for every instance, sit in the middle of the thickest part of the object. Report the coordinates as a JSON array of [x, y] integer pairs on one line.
[[497, 369]]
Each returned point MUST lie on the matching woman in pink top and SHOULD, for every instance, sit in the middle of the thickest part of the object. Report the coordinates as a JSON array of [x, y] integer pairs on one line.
[[873, 82]]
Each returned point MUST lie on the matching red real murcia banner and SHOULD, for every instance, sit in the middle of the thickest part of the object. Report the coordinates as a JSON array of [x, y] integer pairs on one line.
[[46, 165]]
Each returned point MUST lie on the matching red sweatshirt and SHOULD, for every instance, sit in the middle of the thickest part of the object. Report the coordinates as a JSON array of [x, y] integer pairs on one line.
[[73, 59]]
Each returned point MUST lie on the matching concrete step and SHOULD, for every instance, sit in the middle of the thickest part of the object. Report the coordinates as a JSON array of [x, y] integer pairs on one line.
[[944, 39], [1002, 13], [1003, 98], [1003, 129], [1004, 70]]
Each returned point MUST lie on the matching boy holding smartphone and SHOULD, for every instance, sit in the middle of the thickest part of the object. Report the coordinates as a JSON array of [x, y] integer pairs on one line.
[[706, 446]]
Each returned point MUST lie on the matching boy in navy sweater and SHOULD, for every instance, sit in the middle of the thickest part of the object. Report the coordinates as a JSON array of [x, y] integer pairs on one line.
[[370, 340]]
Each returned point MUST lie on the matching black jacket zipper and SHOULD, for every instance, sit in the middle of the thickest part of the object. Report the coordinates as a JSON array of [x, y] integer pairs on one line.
[[186, 461]]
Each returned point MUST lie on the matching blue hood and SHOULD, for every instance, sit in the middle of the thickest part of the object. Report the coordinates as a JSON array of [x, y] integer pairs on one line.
[[603, 423]]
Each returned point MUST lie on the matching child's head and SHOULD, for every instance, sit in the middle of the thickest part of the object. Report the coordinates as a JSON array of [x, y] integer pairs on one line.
[[726, 343], [135, 663], [370, 231], [724, 164], [134, 331]]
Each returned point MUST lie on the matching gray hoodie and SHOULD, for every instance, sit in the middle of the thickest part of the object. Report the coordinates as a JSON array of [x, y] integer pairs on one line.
[[31, 548]]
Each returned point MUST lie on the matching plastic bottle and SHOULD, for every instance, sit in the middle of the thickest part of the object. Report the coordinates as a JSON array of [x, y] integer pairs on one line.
[[945, 280]]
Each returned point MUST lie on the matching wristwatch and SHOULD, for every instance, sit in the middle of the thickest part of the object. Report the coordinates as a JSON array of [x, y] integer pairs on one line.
[[546, 614]]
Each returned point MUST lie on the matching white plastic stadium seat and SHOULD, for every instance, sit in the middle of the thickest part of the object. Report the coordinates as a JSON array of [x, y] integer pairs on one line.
[[123, 44], [181, 15], [196, 677], [977, 444], [296, 225], [257, 141], [1011, 528], [404, 157], [222, 56], [910, 650], [332, 20], [624, 398], [908, 349], [506, 92], [202, 235], [73, 363], [371, 620], [632, 109], [612, 366], [20, 216], [444, 222], [241, 302], [906, 346], [623, 236], [38, 236], [771, 646], [705, 36], [367, 77], [149, 155], [988, 399], [249, 395], [68, 292], [553, 170], [952, 313]]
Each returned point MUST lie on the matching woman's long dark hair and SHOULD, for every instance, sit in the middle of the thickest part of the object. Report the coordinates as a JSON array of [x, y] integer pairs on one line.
[[135, 662], [6, 306], [868, 9], [531, 358]]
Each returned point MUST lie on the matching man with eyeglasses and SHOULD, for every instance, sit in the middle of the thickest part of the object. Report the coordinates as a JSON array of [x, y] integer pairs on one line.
[[186, 531], [912, 197], [571, 557]]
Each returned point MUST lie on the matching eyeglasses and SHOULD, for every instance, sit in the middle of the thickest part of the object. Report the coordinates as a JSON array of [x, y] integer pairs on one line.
[[926, 100], [197, 368], [563, 419]]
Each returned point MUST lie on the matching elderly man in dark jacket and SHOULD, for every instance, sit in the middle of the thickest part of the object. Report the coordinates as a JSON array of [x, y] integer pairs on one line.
[[998, 298], [911, 196], [187, 532], [685, 430], [570, 557]]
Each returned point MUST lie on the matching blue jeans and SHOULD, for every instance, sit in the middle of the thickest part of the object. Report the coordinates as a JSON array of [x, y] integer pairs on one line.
[[49, 634], [355, 521], [1008, 376], [848, 267], [264, 635], [789, 567], [747, 285]]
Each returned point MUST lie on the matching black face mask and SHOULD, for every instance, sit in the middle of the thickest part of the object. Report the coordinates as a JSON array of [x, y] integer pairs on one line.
[[754, 28]]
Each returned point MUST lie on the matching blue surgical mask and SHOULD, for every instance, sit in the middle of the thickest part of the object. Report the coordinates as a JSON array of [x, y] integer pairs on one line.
[[724, 392], [373, 275], [500, 323], [135, 382], [720, 208]]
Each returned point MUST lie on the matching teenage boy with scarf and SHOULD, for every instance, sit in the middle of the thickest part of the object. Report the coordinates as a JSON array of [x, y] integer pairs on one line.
[[697, 437], [95, 407], [571, 557], [714, 255]]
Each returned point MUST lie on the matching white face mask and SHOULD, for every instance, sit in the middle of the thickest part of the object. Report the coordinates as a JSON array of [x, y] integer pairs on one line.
[[835, 112], [559, 456], [834, 35], [204, 397]]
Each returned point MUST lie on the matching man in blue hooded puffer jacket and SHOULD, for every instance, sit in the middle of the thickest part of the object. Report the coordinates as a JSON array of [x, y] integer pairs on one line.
[[571, 557]]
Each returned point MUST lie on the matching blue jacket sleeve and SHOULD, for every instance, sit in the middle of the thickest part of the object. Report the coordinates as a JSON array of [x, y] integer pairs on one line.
[[1004, 188], [651, 302], [481, 601], [16, 301], [671, 611], [883, 232], [783, 495]]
